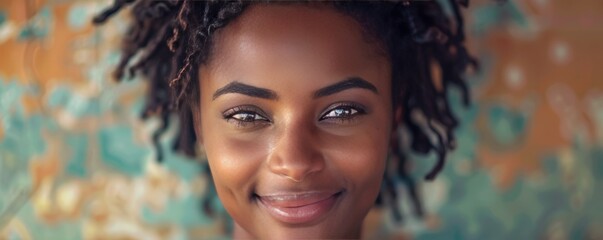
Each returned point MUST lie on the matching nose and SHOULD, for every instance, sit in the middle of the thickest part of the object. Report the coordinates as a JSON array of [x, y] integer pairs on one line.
[[296, 154]]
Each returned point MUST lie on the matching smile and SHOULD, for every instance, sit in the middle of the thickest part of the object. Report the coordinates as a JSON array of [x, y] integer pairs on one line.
[[299, 208]]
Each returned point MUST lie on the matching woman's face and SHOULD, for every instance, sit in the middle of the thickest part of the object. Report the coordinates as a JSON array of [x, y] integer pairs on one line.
[[295, 119]]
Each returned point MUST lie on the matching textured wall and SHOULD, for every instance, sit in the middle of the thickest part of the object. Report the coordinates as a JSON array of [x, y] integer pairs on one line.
[[76, 162]]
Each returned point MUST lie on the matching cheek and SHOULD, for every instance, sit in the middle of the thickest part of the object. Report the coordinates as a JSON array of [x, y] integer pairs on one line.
[[234, 163], [361, 159]]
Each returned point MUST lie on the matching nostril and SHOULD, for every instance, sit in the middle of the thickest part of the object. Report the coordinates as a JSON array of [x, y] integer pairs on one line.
[[297, 171], [294, 179], [296, 153]]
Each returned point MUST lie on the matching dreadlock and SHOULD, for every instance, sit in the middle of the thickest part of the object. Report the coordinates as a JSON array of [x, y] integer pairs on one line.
[[417, 35]]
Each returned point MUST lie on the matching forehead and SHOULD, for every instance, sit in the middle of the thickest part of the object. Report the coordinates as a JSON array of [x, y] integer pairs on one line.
[[293, 36]]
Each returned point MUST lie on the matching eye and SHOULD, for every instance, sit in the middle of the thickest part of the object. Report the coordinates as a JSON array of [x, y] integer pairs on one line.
[[343, 112], [247, 117], [244, 116]]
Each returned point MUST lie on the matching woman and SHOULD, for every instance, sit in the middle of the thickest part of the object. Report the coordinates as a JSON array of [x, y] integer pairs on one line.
[[297, 105]]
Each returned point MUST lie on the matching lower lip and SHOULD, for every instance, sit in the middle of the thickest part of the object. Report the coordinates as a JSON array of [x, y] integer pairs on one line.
[[302, 214]]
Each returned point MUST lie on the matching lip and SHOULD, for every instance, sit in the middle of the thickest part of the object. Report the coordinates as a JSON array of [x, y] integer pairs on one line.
[[298, 208]]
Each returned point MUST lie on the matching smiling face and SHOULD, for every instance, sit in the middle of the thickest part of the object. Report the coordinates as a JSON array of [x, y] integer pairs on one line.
[[295, 118]]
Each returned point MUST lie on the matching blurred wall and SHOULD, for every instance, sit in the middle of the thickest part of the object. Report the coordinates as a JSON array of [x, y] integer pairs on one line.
[[76, 162]]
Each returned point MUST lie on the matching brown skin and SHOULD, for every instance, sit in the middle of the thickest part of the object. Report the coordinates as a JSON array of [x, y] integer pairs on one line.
[[293, 51]]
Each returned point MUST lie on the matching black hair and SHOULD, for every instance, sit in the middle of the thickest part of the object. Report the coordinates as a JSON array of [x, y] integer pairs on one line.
[[417, 36]]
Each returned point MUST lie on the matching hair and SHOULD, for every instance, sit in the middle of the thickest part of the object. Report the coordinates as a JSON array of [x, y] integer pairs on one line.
[[418, 36]]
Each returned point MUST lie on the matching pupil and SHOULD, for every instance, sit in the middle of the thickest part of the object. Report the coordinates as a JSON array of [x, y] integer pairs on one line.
[[248, 117]]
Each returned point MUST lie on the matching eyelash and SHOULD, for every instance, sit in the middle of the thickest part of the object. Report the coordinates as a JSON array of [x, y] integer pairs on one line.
[[338, 113], [351, 111], [248, 115]]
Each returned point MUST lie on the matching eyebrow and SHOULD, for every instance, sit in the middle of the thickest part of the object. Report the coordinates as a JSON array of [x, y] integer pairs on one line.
[[241, 88], [351, 82]]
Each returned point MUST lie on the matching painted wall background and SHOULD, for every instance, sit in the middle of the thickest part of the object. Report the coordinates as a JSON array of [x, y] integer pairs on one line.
[[77, 163]]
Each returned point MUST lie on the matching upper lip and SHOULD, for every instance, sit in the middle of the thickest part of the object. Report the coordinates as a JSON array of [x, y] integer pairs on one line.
[[295, 199]]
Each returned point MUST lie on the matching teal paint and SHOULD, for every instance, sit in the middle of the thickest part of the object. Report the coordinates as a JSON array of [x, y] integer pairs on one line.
[[77, 16], [186, 168], [118, 150], [493, 15], [466, 135], [3, 17], [39, 26], [597, 163], [516, 14], [476, 209], [185, 212], [80, 106], [24, 137], [550, 163], [22, 134], [40, 229], [446, 7], [486, 18], [11, 93], [21, 141], [74, 103], [77, 147], [506, 125], [58, 96]]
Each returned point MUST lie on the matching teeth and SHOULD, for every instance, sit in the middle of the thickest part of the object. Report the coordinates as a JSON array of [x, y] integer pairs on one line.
[[287, 197], [295, 199]]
